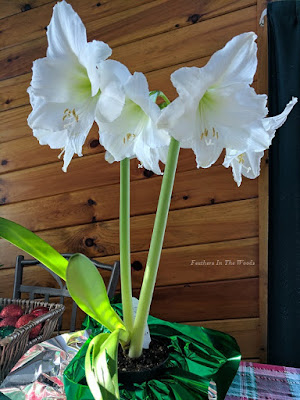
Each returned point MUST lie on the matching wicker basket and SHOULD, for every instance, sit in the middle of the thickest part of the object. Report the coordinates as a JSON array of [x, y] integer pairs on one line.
[[15, 345]]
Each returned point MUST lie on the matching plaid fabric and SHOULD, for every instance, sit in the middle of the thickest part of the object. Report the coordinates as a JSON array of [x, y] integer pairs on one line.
[[265, 382]]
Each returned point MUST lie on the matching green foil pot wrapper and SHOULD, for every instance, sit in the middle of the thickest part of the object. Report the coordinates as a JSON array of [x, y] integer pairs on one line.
[[198, 357]]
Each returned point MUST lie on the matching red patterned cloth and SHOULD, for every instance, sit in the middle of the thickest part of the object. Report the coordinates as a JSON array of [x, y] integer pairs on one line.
[[265, 382]]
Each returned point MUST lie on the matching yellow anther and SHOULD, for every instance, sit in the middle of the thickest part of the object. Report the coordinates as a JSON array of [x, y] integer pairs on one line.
[[128, 137], [75, 115], [241, 158], [205, 132]]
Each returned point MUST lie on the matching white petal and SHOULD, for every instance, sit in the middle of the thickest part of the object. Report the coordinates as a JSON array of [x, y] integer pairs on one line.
[[206, 154], [118, 136], [109, 158], [111, 102], [247, 164], [63, 125], [60, 80], [137, 90], [272, 123], [93, 54], [191, 82], [150, 157], [112, 75], [178, 118], [111, 70], [66, 32], [236, 62]]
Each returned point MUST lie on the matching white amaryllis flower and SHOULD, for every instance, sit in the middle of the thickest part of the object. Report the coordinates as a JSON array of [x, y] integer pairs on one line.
[[216, 107], [248, 162], [134, 133], [70, 82]]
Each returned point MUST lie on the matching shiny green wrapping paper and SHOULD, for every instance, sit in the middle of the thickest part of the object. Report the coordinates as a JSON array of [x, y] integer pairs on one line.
[[197, 357]]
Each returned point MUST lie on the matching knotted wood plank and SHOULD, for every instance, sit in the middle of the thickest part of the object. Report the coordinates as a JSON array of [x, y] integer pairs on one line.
[[151, 53], [120, 23], [214, 223], [192, 188], [87, 172], [234, 259]]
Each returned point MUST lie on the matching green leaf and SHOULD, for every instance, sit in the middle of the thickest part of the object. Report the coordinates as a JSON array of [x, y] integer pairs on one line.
[[33, 245], [87, 288], [101, 367]]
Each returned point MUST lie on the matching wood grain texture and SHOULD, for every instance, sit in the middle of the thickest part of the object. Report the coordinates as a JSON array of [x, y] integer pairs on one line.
[[9, 7], [245, 331], [35, 15], [192, 188], [15, 124], [87, 172], [119, 27], [232, 299], [151, 53], [26, 152], [206, 301], [177, 266], [218, 222]]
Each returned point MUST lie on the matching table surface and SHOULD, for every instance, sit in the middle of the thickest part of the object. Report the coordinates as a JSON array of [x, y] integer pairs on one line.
[[265, 382]]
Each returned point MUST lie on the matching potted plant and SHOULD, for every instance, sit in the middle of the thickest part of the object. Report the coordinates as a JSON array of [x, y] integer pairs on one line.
[[75, 85]]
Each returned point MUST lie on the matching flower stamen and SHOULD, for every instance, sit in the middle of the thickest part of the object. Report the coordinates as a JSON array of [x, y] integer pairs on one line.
[[129, 136], [241, 159], [215, 134]]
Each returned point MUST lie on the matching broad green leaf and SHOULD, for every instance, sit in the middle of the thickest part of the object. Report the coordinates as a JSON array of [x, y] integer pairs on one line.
[[101, 366], [33, 245], [87, 288]]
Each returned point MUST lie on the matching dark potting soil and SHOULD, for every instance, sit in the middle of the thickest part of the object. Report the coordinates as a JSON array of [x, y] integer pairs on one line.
[[151, 358]]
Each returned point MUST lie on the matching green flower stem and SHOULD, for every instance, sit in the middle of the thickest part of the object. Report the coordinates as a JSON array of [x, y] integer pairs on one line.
[[126, 287], [136, 345]]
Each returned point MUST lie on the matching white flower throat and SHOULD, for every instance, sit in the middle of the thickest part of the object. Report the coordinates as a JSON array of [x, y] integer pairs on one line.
[[208, 133]]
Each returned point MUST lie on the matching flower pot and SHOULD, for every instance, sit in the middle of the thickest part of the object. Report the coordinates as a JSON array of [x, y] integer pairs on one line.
[[197, 357]]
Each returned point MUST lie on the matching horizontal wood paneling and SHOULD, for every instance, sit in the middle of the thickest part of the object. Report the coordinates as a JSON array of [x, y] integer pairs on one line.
[[245, 331], [41, 11], [26, 152], [184, 303], [9, 7], [192, 188], [176, 266], [15, 122], [121, 27], [150, 53], [205, 224], [206, 301], [86, 172]]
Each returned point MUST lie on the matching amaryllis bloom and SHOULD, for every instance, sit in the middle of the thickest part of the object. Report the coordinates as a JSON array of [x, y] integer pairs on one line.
[[134, 133], [248, 162], [69, 83], [216, 107]]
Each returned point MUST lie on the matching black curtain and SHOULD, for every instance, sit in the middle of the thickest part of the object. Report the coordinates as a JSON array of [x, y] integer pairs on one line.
[[284, 217]]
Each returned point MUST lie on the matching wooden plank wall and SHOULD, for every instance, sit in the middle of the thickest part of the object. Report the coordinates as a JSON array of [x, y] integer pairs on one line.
[[210, 218]]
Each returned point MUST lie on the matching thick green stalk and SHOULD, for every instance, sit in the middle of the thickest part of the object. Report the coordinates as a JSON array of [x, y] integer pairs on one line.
[[125, 264], [136, 345]]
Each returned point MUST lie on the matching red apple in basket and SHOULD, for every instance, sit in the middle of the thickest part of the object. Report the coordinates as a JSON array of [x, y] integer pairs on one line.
[[8, 321], [12, 310], [38, 311], [24, 320]]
